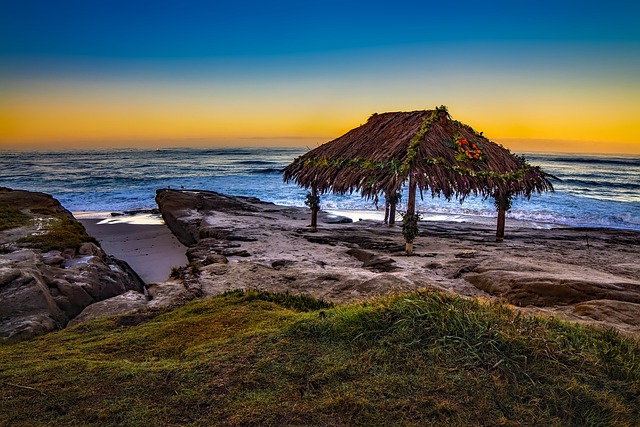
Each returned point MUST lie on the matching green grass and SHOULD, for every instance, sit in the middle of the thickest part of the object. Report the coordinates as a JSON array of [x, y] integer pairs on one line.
[[253, 358], [12, 218], [286, 300], [60, 233]]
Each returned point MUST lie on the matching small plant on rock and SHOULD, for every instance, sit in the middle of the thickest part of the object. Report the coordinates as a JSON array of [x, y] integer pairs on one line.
[[410, 225], [312, 201]]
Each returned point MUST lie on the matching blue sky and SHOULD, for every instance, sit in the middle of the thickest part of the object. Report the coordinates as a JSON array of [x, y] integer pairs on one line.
[[320, 66], [201, 29]]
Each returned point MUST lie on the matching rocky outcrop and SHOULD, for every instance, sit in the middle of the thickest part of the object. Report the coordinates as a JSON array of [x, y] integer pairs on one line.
[[160, 296], [184, 210], [50, 269], [213, 238], [577, 292], [240, 243], [586, 275]]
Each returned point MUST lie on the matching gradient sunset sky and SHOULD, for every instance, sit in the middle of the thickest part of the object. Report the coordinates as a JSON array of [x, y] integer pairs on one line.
[[535, 76]]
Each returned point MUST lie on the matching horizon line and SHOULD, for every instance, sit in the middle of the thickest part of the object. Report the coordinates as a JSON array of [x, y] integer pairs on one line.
[[292, 147]]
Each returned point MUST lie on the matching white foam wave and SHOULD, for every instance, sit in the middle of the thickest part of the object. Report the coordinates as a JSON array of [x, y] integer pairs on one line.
[[140, 219]]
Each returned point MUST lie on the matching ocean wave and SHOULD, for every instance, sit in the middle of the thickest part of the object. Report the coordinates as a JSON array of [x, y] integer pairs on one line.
[[627, 185], [591, 160], [253, 162], [268, 171]]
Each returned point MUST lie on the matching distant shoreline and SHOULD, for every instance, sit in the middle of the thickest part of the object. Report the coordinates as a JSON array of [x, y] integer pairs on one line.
[[103, 217]]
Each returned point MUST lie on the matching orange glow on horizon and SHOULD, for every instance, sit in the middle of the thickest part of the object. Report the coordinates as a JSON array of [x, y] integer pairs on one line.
[[86, 129], [70, 115]]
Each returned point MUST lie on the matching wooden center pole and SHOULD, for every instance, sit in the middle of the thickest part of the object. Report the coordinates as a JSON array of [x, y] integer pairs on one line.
[[386, 210], [500, 229], [411, 210]]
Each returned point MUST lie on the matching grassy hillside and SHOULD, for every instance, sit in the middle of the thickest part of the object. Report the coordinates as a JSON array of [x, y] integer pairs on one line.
[[251, 358]]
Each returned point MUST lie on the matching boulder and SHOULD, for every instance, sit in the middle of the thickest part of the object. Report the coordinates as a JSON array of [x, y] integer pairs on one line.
[[53, 258], [27, 308], [26, 295], [8, 274], [168, 294], [128, 303], [89, 248], [73, 297], [21, 328]]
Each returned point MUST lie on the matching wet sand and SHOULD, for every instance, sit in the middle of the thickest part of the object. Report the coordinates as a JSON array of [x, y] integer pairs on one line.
[[150, 249]]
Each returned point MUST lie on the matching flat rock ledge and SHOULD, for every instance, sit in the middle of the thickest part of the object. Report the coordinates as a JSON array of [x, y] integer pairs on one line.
[[238, 243]]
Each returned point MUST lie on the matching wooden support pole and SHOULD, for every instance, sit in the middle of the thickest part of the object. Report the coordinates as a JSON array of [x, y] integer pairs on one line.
[[386, 210], [500, 229], [314, 209], [392, 212], [411, 210], [503, 204]]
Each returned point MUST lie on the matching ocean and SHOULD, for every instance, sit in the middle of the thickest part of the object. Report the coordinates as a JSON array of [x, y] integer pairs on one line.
[[594, 191]]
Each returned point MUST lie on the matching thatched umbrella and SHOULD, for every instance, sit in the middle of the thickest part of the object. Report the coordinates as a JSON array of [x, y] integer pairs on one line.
[[426, 148]]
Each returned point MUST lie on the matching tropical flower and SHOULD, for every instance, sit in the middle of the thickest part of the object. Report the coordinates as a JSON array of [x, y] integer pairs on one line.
[[467, 149]]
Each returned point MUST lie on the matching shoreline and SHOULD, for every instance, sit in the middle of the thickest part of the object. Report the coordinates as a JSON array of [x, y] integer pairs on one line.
[[359, 215], [146, 218]]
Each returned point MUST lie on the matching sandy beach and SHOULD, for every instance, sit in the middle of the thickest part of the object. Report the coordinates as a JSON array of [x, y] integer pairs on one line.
[[148, 247]]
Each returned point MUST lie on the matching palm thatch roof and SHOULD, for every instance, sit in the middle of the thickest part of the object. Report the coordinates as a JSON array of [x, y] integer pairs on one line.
[[442, 155]]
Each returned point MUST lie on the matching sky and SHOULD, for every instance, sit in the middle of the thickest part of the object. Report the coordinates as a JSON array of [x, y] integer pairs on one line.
[[535, 76]]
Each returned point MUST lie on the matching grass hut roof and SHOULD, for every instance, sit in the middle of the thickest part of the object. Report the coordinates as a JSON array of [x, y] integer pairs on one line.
[[442, 155]]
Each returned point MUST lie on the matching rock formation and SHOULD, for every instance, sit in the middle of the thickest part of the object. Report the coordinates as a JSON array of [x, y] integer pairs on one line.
[[580, 274], [242, 242], [53, 274], [50, 269]]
